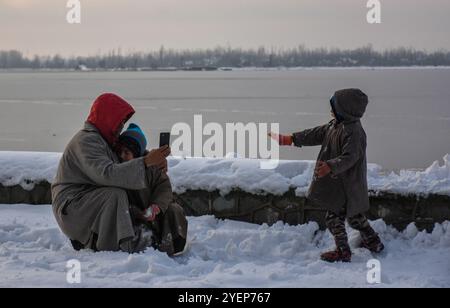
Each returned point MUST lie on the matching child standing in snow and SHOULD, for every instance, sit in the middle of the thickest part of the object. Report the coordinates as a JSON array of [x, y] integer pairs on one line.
[[154, 207], [340, 177]]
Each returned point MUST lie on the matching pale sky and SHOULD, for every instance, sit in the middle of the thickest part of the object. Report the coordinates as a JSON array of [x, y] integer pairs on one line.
[[40, 27]]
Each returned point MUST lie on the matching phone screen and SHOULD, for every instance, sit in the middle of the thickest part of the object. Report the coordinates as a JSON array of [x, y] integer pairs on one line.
[[164, 139]]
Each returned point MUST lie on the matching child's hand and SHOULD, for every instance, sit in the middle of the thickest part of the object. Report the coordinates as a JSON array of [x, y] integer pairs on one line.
[[151, 213], [322, 169], [282, 139]]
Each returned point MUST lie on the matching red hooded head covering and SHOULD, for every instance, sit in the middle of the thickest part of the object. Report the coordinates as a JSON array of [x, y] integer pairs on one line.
[[107, 113]]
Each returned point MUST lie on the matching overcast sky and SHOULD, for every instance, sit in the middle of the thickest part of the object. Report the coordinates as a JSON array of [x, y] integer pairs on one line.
[[40, 27]]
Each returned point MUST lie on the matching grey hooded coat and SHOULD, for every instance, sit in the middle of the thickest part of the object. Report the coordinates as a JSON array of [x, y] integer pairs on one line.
[[343, 146], [89, 193]]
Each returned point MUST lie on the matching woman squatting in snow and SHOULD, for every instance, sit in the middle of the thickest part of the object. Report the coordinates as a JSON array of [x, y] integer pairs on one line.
[[90, 193], [340, 178]]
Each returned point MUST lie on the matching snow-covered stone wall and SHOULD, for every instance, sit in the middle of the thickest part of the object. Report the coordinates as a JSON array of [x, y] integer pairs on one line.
[[225, 175], [240, 190]]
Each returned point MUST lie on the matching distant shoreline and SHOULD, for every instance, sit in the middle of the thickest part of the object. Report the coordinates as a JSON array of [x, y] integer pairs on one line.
[[221, 69]]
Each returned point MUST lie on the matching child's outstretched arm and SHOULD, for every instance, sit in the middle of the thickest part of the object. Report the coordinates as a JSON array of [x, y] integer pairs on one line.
[[309, 137], [282, 139]]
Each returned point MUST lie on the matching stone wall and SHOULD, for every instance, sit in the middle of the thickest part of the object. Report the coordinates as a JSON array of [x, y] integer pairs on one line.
[[396, 210], [16, 194]]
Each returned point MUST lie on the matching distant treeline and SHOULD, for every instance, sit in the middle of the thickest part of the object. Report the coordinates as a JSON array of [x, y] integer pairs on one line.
[[231, 57]]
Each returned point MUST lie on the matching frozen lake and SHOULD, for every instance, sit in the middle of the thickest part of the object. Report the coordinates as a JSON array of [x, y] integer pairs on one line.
[[407, 121]]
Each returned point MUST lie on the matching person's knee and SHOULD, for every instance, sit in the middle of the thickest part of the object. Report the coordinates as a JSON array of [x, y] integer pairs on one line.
[[115, 194], [117, 199], [176, 208], [333, 220], [358, 222]]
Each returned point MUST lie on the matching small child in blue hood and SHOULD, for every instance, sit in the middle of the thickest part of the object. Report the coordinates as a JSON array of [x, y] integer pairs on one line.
[[132, 143], [154, 207]]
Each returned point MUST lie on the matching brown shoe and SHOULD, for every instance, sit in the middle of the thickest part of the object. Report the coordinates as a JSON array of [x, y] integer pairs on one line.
[[338, 255], [374, 245]]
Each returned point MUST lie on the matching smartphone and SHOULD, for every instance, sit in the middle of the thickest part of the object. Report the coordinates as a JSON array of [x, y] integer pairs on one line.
[[164, 139]]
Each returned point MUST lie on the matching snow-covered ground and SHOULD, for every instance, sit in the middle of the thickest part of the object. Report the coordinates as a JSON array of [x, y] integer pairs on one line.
[[34, 253], [26, 168]]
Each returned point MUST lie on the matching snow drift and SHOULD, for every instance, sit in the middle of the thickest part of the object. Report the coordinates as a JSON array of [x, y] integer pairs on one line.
[[224, 175], [34, 253]]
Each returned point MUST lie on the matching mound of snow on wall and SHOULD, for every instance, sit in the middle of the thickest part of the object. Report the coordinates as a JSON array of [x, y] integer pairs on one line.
[[27, 168]]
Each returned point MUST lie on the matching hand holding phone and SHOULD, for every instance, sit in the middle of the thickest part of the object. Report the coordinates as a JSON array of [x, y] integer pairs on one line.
[[158, 158]]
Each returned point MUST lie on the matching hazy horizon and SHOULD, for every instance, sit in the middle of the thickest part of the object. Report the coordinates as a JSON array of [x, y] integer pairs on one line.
[[120, 51], [41, 28]]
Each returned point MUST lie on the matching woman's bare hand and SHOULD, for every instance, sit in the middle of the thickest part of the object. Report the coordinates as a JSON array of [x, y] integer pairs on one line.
[[158, 158]]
